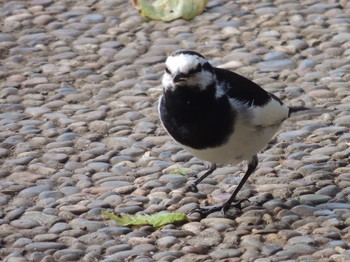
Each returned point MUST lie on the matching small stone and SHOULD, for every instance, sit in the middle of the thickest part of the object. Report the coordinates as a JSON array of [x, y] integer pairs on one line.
[[196, 249], [276, 65], [330, 190], [304, 210], [86, 225], [315, 158], [37, 111], [15, 214], [45, 237], [208, 237], [99, 166], [69, 190], [332, 206], [303, 249], [226, 253], [313, 199], [20, 160], [70, 254], [33, 191], [269, 250], [43, 219], [22, 242], [43, 246], [122, 255], [301, 240], [294, 135], [42, 2], [75, 209], [43, 19], [35, 81], [275, 56], [220, 224], [24, 223], [337, 243], [92, 19], [59, 157], [168, 254], [59, 228], [94, 238], [343, 121], [321, 93], [167, 241]]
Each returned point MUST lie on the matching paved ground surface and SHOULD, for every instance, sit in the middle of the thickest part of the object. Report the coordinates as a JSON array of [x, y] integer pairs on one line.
[[79, 132]]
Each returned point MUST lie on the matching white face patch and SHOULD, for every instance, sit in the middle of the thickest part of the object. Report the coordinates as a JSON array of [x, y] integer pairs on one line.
[[167, 82], [184, 63]]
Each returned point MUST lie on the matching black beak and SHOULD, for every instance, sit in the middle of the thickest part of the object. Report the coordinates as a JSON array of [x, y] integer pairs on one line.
[[178, 77]]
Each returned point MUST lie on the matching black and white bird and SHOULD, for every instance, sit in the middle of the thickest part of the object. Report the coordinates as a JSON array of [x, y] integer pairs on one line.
[[217, 115]]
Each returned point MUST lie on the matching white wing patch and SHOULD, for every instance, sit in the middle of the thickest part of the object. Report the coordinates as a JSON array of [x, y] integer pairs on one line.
[[271, 114]]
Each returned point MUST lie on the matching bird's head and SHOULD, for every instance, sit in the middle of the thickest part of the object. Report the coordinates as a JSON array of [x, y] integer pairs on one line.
[[189, 69]]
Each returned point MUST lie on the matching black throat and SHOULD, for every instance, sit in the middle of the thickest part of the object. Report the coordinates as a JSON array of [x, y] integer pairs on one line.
[[196, 118]]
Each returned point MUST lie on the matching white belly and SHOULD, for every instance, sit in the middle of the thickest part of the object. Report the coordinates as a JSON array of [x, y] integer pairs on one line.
[[242, 145]]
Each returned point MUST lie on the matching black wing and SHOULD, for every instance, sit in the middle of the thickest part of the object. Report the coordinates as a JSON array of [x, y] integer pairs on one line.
[[242, 89]]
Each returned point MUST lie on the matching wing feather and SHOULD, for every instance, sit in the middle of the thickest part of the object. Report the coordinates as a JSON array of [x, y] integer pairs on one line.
[[259, 107]]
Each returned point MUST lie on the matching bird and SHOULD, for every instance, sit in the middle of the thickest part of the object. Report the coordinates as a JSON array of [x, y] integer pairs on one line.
[[218, 116]]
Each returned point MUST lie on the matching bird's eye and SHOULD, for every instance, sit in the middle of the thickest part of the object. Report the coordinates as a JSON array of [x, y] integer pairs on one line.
[[167, 70]]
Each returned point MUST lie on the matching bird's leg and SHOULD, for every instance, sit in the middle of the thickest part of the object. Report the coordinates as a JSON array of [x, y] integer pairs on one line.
[[253, 163], [193, 186]]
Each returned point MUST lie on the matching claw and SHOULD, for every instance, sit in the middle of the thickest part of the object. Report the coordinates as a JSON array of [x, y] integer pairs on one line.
[[237, 205], [192, 188], [205, 211]]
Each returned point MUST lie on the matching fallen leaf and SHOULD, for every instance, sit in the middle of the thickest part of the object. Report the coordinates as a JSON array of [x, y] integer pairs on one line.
[[180, 171], [168, 10], [155, 220]]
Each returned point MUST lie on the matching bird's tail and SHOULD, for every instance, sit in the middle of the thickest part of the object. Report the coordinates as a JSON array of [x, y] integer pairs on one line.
[[296, 111]]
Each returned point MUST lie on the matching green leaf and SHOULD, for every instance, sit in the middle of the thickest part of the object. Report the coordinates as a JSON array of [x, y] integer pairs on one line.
[[155, 220], [168, 10], [180, 171]]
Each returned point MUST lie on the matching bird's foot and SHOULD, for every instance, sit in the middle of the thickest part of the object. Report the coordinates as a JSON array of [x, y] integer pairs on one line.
[[205, 211], [192, 188]]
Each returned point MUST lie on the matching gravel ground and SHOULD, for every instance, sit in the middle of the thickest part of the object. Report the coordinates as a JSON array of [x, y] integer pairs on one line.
[[79, 132]]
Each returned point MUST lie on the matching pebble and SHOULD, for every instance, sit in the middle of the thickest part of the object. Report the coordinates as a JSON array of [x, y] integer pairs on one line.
[[226, 253], [33, 191], [169, 254], [313, 199], [44, 246], [22, 242], [68, 253], [208, 237], [59, 227], [94, 238], [294, 135], [86, 225], [167, 242], [24, 223], [276, 65], [43, 219], [304, 210], [332, 206]]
